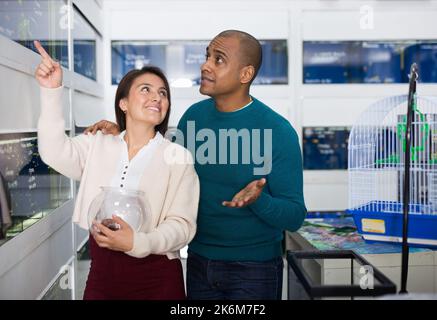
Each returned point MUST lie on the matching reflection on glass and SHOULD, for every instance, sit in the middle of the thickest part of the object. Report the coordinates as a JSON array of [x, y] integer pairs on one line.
[[181, 60], [194, 57], [46, 20], [29, 189], [274, 67], [368, 61], [325, 148], [84, 44], [425, 55], [128, 55], [379, 62], [325, 62]]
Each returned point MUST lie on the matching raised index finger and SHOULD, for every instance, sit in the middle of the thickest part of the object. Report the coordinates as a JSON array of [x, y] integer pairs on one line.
[[41, 50]]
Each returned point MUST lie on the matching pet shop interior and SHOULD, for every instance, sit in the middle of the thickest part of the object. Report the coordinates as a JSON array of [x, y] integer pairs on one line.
[[357, 81]]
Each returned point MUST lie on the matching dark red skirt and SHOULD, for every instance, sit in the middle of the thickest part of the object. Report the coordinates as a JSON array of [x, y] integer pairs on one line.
[[116, 276]]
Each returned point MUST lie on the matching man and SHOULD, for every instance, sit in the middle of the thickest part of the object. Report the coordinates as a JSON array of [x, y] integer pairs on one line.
[[249, 164]]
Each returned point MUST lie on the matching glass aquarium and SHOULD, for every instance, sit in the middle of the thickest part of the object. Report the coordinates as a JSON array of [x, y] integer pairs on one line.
[[84, 46], [342, 62], [181, 60], [325, 148], [29, 189], [45, 20]]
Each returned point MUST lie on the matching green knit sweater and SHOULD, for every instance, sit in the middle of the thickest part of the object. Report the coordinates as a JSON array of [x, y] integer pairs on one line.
[[232, 149]]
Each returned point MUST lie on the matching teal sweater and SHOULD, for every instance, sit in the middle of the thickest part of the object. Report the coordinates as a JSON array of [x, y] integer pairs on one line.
[[226, 163]]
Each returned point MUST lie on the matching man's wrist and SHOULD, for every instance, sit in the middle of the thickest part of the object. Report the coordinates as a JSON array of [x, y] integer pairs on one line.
[[261, 203]]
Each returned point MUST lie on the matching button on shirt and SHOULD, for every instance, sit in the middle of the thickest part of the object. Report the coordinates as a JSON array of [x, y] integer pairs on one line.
[[129, 173]]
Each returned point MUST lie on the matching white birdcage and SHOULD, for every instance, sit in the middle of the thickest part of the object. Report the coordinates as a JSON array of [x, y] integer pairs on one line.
[[376, 171]]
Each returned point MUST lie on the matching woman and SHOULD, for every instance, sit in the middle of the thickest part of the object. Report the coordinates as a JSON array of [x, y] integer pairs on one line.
[[126, 264]]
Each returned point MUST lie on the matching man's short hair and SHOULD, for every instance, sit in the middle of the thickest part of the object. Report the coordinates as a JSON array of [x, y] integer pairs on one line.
[[251, 51]]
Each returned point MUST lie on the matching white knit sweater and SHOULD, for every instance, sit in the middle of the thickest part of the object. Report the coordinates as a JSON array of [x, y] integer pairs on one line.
[[169, 181]]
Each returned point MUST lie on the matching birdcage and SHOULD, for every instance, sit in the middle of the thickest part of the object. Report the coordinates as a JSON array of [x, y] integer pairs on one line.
[[376, 167]]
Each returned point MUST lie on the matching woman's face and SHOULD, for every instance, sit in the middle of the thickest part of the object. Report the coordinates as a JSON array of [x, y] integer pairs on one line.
[[147, 101]]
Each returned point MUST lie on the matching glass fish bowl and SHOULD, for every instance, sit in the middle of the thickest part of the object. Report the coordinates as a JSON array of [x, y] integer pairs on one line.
[[129, 205]]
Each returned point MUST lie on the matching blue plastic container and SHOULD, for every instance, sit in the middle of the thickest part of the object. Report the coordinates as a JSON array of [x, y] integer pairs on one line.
[[382, 222]]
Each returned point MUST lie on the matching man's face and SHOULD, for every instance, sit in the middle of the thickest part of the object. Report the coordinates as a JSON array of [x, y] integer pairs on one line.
[[220, 73]]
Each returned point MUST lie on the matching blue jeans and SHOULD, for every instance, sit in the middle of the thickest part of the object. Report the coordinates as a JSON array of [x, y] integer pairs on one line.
[[233, 280]]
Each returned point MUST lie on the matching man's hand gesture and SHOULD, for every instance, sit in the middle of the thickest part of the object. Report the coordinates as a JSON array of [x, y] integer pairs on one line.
[[248, 195], [107, 127]]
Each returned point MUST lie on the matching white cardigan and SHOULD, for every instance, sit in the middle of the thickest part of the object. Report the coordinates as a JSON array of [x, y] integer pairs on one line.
[[169, 181]]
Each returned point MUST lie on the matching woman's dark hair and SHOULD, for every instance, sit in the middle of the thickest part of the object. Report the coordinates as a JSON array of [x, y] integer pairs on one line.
[[123, 92]]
